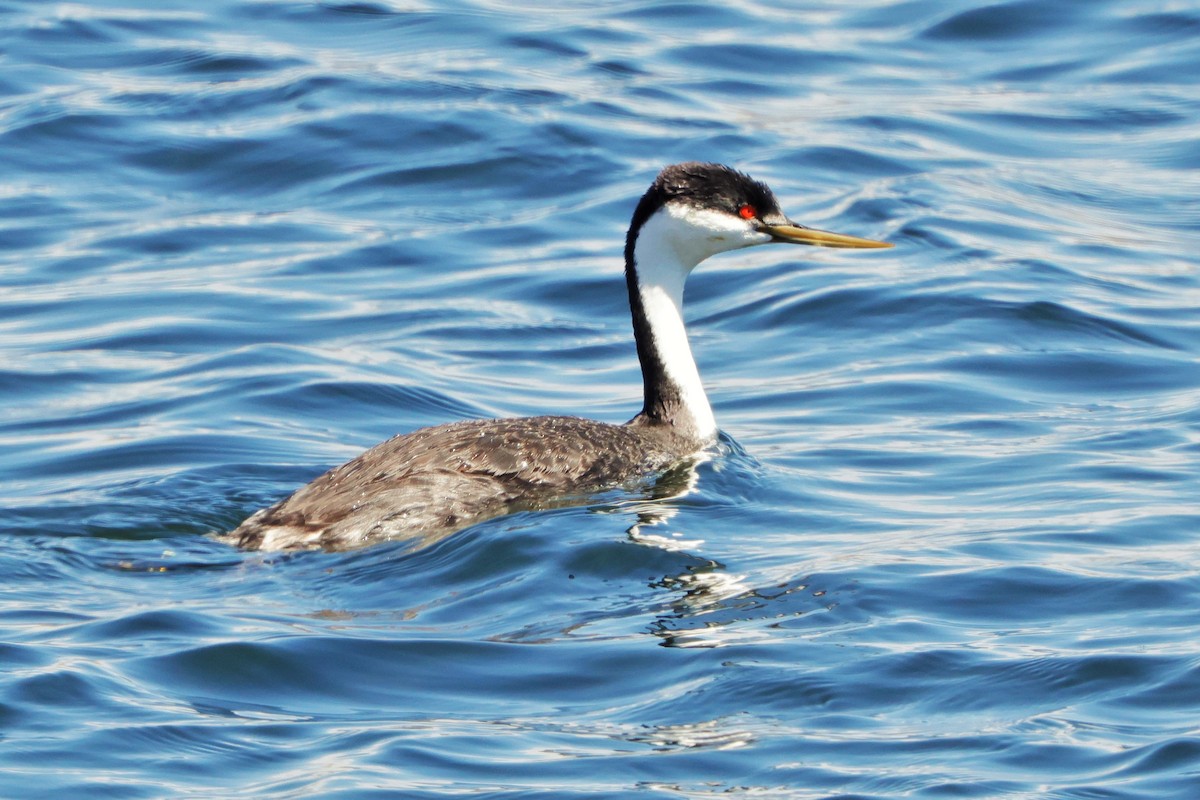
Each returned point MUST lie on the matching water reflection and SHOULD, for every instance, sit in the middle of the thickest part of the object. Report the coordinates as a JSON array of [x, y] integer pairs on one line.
[[710, 602], [716, 608], [719, 734]]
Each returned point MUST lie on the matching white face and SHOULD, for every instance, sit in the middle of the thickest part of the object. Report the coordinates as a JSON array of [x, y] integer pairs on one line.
[[694, 234]]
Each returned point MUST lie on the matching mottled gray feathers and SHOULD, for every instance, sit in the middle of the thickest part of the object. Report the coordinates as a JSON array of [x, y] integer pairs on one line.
[[436, 480]]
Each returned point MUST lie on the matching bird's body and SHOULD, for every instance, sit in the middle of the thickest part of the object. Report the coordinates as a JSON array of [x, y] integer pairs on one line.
[[436, 480]]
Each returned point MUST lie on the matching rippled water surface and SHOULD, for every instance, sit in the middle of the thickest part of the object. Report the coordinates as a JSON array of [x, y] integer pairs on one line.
[[948, 545]]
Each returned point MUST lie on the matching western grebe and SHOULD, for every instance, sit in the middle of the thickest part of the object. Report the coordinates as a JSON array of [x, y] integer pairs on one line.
[[436, 480]]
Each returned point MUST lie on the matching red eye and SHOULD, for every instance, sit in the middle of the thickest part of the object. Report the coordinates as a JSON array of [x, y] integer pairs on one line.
[[747, 212]]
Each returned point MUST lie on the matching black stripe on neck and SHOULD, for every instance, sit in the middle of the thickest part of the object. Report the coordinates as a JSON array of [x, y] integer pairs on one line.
[[662, 399], [700, 185]]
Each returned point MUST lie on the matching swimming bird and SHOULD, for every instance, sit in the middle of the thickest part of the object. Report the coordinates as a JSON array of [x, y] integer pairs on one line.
[[437, 480]]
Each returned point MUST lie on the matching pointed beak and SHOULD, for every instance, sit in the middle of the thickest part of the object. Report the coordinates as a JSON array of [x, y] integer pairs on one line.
[[791, 233]]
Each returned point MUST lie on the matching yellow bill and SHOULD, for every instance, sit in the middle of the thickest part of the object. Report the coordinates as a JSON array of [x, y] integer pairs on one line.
[[797, 234]]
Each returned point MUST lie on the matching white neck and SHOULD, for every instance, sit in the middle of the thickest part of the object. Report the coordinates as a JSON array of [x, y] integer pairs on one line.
[[662, 268]]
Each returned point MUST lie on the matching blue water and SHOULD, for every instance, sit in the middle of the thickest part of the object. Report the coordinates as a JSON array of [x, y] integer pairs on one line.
[[949, 546]]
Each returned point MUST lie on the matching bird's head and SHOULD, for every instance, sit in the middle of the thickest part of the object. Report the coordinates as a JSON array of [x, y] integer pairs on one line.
[[697, 210]]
